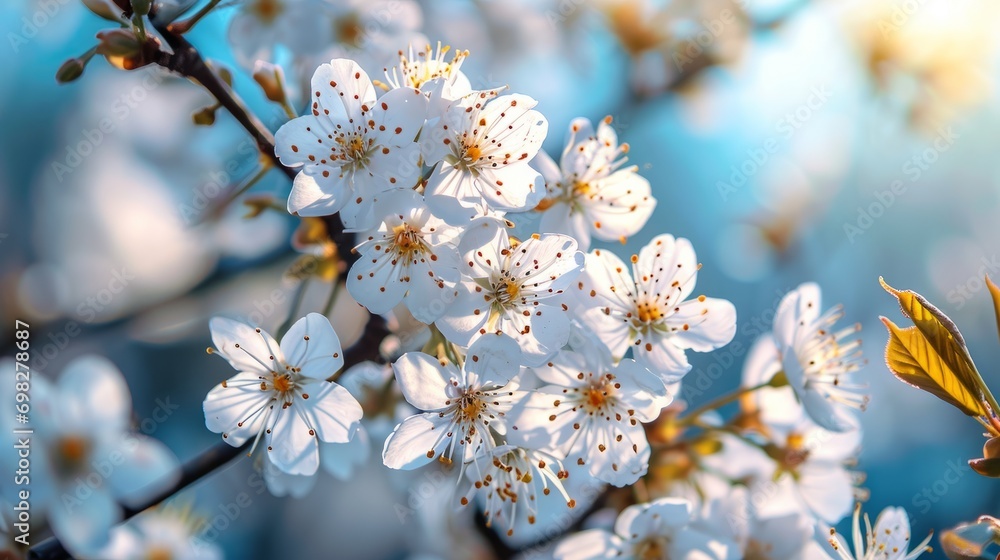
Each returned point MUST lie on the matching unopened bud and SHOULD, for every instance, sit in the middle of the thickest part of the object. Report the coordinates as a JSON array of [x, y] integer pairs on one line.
[[226, 75], [141, 7], [70, 70], [118, 42], [104, 9], [204, 117], [271, 79], [258, 204]]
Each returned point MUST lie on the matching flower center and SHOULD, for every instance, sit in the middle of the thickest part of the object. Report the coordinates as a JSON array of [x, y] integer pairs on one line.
[[268, 10], [580, 188], [795, 452], [512, 289], [71, 453], [282, 383], [348, 30], [472, 153], [596, 397], [407, 240], [469, 407], [159, 553], [654, 548], [649, 312]]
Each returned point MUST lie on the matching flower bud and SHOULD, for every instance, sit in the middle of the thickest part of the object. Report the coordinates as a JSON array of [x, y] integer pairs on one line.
[[204, 117], [225, 75], [70, 70], [118, 42], [271, 79], [104, 9], [141, 7]]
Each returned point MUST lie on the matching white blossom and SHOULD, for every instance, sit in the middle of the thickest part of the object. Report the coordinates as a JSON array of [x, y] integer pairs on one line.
[[513, 288], [590, 192], [353, 146], [461, 406], [482, 145], [281, 394], [411, 257], [648, 310], [817, 360]]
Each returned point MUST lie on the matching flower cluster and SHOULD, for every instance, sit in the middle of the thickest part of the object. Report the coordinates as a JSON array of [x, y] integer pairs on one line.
[[503, 339]]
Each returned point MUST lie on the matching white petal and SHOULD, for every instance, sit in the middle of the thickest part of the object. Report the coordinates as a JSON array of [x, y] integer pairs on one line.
[[415, 442], [399, 115], [662, 358], [798, 307], [312, 345], [664, 516], [343, 88], [560, 218], [247, 348], [452, 195], [341, 459], [237, 401], [464, 318], [493, 359], [621, 204], [142, 468], [95, 396], [829, 492], [83, 522], [394, 168], [592, 544], [291, 447], [512, 187], [423, 380], [296, 141], [676, 258], [710, 323], [280, 483], [432, 288], [331, 411], [318, 196], [549, 332], [376, 282]]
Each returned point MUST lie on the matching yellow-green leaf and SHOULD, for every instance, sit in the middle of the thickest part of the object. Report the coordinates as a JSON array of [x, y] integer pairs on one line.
[[995, 294], [912, 358], [943, 337]]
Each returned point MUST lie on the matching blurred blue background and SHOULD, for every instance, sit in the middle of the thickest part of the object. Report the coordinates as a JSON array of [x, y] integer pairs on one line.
[[829, 141]]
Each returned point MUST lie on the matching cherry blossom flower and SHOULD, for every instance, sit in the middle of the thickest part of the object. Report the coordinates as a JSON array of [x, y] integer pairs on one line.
[[589, 192], [261, 26], [659, 529], [352, 147], [417, 70], [482, 145], [513, 288], [280, 393], [513, 480], [412, 257], [649, 313], [160, 533], [85, 459], [802, 464], [888, 540], [340, 460], [461, 406], [591, 412], [817, 361]]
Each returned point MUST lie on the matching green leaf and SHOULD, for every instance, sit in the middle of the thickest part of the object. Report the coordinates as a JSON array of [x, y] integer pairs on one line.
[[913, 360]]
